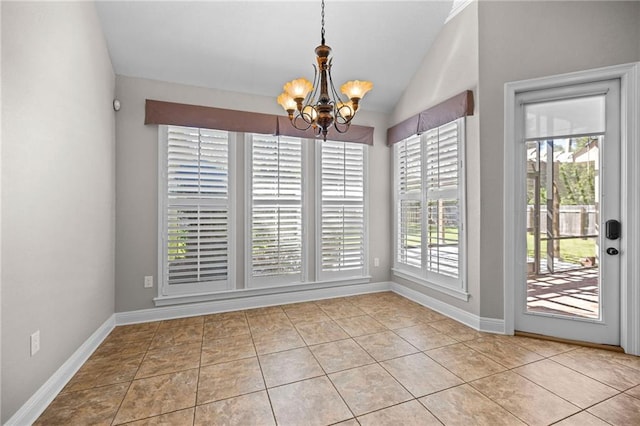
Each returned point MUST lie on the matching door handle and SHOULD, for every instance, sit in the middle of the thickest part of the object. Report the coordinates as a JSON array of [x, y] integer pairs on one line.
[[612, 251], [612, 229]]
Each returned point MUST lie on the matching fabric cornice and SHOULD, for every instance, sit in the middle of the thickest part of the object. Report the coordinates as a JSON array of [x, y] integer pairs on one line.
[[160, 112], [453, 108]]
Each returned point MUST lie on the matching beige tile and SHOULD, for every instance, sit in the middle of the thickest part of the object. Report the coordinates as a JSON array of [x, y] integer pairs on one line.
[[427, 315], [566, 383], [220, 381], [408, 413], [121, 334], [420, 375], [158, 395], [182, 322], [350, 422], [94, 406], [341, 309], [394, 320], [622, 358], [425, 337], [368, 388], [321, 332], [600, 367], [144, 330], [177, 418], [289, 366], [311, 306], [528, 401], [264, 311], [385, 345], [227, 349], [361, 325], [619, 410], [118, 349], [250, 409], [105, 371], [177, 336], [276, 342], [545, 348], [582, 419], [225, 316], [635, 392], [169, 360], [310, 402], [306, 315], [464, 405], [507, 354], [464, 362], [226, 327], [341, 355], [270, 323], [456, 330]]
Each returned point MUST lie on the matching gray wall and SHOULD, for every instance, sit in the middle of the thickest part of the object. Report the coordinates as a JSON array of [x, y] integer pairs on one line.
[[523, 40], [58, 188], [450, 67], [137, 193]]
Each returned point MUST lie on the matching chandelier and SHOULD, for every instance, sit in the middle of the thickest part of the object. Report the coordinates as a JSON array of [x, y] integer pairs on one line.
[[318, 105]]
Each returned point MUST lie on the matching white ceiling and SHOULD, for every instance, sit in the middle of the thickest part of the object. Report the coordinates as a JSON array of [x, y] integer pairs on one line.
[[256, 46]]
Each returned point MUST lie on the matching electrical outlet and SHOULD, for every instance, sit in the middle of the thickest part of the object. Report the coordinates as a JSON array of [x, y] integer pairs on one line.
[[376, 261], [148, 281], [35, 342]]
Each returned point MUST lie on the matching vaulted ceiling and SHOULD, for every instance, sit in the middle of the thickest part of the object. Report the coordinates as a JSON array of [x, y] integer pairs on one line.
[[255, 47]]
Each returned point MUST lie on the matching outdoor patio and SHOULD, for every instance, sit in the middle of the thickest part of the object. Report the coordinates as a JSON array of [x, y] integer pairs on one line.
[[571, 292]]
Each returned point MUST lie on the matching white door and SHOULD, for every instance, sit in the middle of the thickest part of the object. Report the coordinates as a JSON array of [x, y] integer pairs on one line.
[[569, 183]]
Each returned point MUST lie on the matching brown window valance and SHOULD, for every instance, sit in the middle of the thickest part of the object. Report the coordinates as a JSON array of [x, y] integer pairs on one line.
[[453, 108], [160, 112]]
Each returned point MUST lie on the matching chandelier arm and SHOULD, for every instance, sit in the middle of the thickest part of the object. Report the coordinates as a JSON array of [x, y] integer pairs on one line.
[[312, 94], [345, 128], [294, 122]]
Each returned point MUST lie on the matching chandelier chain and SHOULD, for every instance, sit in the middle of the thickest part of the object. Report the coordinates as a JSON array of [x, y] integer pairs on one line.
[[322, 31]]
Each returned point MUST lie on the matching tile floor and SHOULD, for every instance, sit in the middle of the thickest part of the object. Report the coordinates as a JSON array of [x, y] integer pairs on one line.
[[373, 359]]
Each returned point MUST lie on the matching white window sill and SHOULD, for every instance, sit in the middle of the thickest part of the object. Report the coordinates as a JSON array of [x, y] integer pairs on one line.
[[449, 291], [249, 292]]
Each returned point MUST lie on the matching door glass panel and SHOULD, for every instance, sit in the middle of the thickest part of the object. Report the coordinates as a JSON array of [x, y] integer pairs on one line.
[[563, 227], [578, 116]]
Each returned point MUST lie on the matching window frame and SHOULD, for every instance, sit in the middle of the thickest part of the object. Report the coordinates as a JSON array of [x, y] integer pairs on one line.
[[456, 287], [166, 290], [275, 280], [322, 275]]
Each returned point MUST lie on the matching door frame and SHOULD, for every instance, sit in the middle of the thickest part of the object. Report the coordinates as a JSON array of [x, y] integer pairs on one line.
[[514, 266]]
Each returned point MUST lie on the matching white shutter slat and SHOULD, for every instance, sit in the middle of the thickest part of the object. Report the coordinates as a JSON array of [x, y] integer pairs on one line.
[[276, 221], [197, 215], [342, 222]]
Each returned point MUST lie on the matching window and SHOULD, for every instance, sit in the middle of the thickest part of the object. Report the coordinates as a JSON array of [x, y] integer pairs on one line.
[[342, 209], [195, 211], [302, 203], [276, 210], [429, 206]]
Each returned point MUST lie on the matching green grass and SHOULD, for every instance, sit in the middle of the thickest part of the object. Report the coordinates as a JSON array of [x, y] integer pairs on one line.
[[450, 235], [571, 250]]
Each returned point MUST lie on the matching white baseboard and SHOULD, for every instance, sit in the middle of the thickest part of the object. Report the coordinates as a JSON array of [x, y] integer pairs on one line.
[[39, 401], [254, 301], [489, 325]]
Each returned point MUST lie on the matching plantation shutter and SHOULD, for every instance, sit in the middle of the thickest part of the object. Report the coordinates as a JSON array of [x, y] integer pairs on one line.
[[409, 207], [442, 170], [342, 209], [276, 209], [196, 215]]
